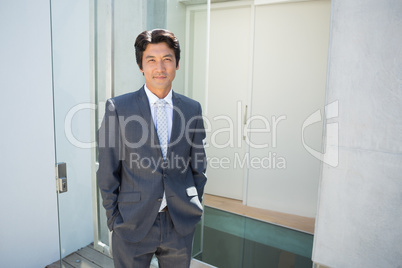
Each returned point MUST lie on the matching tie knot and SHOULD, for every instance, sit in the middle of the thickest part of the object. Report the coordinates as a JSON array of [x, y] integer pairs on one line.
[[160, 103]]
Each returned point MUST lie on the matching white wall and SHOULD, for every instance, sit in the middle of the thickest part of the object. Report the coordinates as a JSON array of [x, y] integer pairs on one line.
[[28, 228], [359, 214]]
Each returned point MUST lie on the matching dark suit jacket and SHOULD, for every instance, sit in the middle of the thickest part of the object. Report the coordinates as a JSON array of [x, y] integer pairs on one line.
[[132, 174]]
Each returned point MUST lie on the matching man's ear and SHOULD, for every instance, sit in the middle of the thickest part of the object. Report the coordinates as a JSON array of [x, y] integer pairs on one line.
[[177, 67]]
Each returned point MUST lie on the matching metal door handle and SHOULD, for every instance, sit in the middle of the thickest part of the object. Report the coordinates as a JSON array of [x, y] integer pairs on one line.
[[61, 177]]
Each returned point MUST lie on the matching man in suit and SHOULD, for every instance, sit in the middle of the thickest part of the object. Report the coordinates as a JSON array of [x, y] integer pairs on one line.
[[152, 162]]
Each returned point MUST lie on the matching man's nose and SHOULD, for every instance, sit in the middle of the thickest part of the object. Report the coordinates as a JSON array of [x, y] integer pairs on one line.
[[160, 65]]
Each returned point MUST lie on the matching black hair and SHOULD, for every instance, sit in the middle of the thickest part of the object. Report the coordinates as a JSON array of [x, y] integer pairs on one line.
[[154, 37]]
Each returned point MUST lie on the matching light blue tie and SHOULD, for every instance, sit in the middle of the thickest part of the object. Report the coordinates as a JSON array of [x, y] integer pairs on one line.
[[161, 125]]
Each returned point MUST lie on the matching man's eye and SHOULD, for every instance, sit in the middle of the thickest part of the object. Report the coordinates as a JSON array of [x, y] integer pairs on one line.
[[168, 59]]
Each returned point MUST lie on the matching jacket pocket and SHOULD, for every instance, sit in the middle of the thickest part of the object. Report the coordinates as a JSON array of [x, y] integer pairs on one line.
[[129, 197], [127, 202]]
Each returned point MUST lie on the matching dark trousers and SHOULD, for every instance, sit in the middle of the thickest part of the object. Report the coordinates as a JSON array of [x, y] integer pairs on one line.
[[171, 249]]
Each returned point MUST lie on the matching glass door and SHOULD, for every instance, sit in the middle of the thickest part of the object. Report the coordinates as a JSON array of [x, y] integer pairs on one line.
[[73, 122], [93, 59]]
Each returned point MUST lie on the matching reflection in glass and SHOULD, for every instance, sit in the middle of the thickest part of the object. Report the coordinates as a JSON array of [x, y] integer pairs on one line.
[[232, 240]]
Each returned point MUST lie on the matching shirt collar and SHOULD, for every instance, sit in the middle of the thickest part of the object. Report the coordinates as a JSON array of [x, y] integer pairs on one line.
[[153, 98]]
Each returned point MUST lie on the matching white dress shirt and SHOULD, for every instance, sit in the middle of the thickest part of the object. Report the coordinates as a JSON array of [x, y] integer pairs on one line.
[[152, 98]]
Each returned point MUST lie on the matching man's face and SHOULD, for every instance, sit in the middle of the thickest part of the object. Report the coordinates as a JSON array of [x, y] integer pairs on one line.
[[159, 67]]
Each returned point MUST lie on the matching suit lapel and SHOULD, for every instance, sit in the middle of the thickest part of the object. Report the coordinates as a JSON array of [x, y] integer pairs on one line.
[[178, 121], [145, 110]]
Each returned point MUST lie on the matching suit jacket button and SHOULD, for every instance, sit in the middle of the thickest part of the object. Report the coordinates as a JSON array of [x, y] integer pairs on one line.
[[159, 199]]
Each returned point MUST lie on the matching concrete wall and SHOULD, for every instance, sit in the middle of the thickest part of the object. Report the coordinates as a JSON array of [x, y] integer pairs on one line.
[[359, 213], [28, 229]]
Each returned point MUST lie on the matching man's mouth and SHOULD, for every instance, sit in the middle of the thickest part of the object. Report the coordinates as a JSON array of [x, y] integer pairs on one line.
[[159, 76]]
